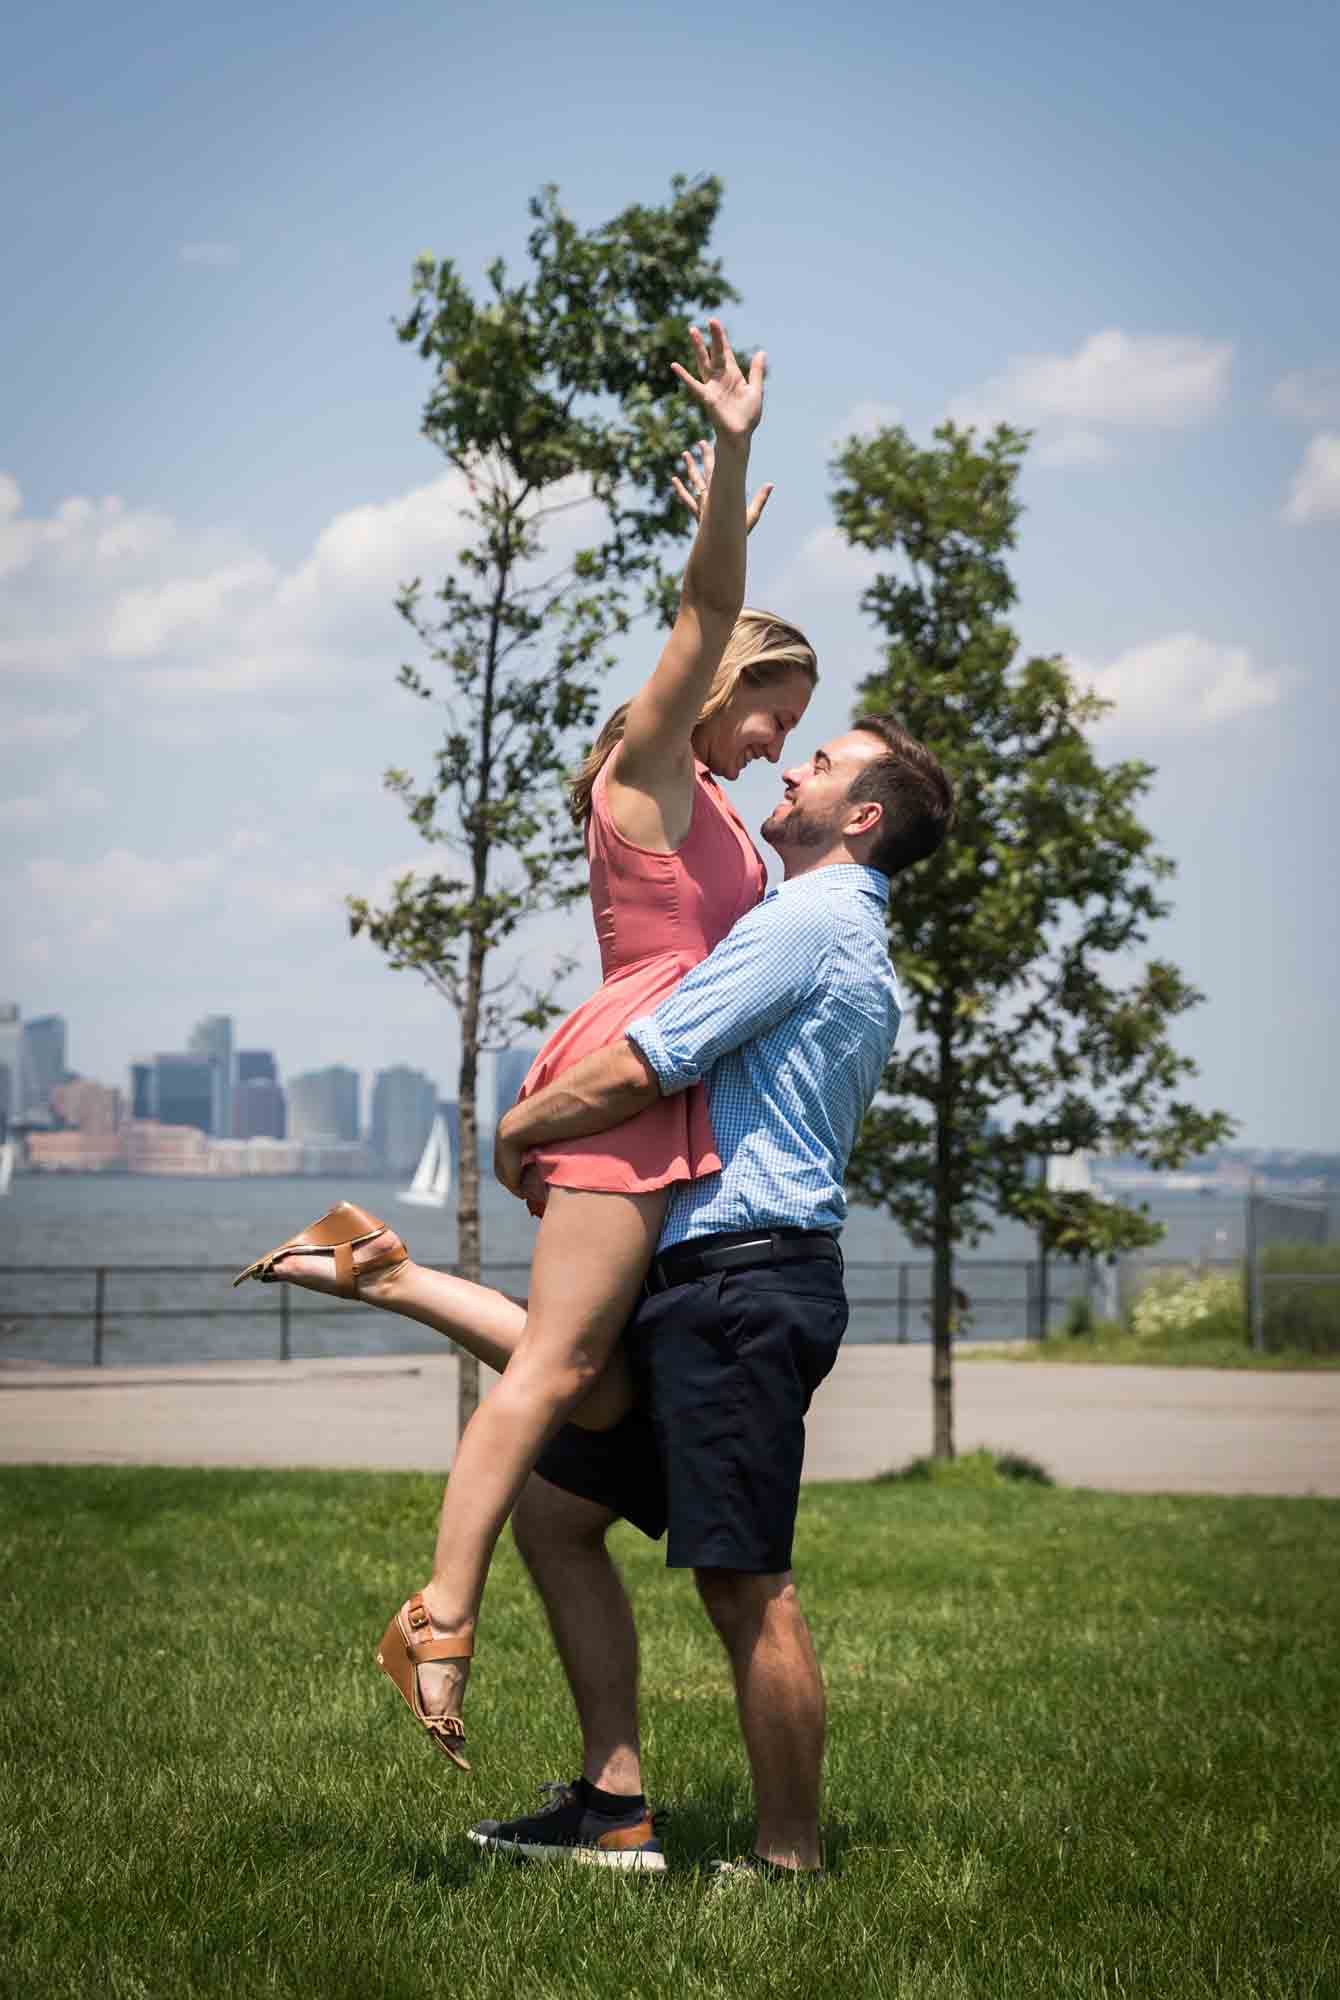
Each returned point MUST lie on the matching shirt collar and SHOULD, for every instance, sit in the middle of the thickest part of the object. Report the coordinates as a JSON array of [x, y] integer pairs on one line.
[[838, 876]]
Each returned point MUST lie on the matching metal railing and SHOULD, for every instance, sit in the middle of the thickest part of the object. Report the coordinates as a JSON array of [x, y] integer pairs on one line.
[[1008, 1297], [99, 1314]]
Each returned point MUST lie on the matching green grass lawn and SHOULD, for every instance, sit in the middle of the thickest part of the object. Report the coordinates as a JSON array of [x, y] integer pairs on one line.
[[1081, 1745]]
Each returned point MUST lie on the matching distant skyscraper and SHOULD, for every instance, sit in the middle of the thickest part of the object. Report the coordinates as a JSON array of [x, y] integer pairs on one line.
[[259, 1110], [509, 1072], [256, 1066], [403, 1103], [323, 1105], [43, 1060], [11, 1064], [142, 1090], [213, 1037], [183, 1090]]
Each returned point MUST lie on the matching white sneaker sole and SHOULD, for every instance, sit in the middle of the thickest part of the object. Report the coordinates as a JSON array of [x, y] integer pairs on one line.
[[641, 1860]]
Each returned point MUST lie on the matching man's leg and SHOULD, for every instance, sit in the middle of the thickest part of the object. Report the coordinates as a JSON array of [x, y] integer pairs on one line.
[[603, 1820], [562, 1542], [780, 1698]]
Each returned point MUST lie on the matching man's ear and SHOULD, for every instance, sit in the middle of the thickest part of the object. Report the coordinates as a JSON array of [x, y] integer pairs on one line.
[[862, 819]]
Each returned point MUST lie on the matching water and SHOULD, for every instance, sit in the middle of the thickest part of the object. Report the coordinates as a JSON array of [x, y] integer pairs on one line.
[[199, 1232]]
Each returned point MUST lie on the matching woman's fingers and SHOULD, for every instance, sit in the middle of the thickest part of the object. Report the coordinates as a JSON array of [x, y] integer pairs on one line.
[[756, 506], [699, 461], [702, 390]]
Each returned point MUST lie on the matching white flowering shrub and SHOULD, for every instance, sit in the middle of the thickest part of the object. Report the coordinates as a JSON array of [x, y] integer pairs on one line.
[[1175, 1305]]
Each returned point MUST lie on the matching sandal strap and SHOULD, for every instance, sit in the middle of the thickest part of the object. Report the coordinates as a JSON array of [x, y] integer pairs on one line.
[[344, 1270], [394, 1253], [422, 1651]]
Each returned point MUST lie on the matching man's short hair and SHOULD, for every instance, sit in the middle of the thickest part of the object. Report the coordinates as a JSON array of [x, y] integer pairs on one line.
[[910, 784]]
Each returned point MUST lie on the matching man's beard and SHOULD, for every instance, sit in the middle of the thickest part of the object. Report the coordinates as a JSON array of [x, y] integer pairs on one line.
[[798, 828]]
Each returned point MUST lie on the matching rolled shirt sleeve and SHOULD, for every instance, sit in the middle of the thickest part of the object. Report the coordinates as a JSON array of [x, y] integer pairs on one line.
[[767, 964]]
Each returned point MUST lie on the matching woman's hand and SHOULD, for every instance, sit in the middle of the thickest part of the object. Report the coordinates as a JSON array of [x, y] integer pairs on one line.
[[692, 489], [732, 401]]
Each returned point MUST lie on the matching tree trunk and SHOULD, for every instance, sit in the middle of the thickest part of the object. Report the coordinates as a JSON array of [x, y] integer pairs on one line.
[[467, 1199], [942, 1281]]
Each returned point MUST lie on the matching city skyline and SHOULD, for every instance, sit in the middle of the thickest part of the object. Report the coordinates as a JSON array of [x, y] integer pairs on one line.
[[262, 1066]]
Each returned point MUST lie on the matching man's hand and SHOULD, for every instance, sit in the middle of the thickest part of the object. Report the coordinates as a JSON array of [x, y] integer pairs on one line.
[[598, 1092], [699, 461], [733, 401], [508, 1157]]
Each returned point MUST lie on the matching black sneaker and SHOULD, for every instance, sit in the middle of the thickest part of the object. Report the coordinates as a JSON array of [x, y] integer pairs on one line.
[[567, 1830]]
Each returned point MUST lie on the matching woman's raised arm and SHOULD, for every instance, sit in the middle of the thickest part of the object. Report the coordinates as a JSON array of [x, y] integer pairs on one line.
[[655, 758]]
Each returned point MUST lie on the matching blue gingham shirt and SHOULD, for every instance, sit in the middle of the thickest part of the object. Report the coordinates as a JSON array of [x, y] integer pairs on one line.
[[791, 1020]]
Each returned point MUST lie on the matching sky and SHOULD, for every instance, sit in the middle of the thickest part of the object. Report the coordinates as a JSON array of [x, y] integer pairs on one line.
[[1115, 227]]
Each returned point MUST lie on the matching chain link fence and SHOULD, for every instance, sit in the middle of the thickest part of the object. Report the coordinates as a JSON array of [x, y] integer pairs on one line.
[[1293, 1273]]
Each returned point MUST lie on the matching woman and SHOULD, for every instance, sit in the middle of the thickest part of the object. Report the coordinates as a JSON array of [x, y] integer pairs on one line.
[[672, 869]]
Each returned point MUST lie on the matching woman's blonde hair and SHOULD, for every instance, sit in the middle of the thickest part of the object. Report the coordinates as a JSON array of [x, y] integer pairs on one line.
[[762, 650]]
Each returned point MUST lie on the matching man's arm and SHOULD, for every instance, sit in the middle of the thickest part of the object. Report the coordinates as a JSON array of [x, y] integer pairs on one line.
[[598, 1092], [764, 967]]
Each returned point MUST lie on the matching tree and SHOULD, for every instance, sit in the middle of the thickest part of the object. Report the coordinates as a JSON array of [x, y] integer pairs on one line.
[[1026, 1043], [553, 397]]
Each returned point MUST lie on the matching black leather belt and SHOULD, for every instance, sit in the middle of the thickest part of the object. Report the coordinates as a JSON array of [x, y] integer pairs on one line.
[[736, 1250]]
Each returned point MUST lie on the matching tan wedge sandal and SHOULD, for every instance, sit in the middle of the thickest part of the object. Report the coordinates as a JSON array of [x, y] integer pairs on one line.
[[340, 1232], [399, 1656]]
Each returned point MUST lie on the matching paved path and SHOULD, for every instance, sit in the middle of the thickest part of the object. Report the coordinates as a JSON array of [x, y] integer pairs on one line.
[[1131, 1430]]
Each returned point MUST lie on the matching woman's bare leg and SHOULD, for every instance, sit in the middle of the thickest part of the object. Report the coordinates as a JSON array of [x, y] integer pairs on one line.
[[591, 1255], [485, 1322]]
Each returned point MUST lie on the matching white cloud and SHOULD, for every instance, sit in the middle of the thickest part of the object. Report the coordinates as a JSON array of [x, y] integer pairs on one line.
[[212, 256], [43, 807], [97, 585], [48, 726], [1315, 493], [134, 885], [863, 420], [1180, 683], [81, 535], [240, 896], [826, 561], [1310, 394], [1076, 447], [1114, 381], [149, 621]]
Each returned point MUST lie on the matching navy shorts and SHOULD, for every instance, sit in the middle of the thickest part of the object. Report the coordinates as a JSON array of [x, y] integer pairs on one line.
[[712, 1450]]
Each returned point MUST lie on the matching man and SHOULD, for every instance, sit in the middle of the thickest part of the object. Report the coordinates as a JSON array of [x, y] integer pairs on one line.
[[791, 1020]]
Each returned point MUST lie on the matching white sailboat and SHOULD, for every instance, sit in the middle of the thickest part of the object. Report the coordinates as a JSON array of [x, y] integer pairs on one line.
[[6, 1165], [431, 1186], [1069, 1173]]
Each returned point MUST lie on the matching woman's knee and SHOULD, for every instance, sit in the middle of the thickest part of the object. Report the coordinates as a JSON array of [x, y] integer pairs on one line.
[[551, 1378]]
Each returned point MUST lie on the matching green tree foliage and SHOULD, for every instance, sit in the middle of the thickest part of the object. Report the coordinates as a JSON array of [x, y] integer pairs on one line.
[[552, 395], [1016, 942]]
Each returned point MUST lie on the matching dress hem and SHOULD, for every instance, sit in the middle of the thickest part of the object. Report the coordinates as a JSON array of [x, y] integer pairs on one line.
[[569, 1174]]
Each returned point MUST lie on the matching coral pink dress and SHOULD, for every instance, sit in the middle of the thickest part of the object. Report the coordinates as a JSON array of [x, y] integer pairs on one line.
[[657, 916]]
